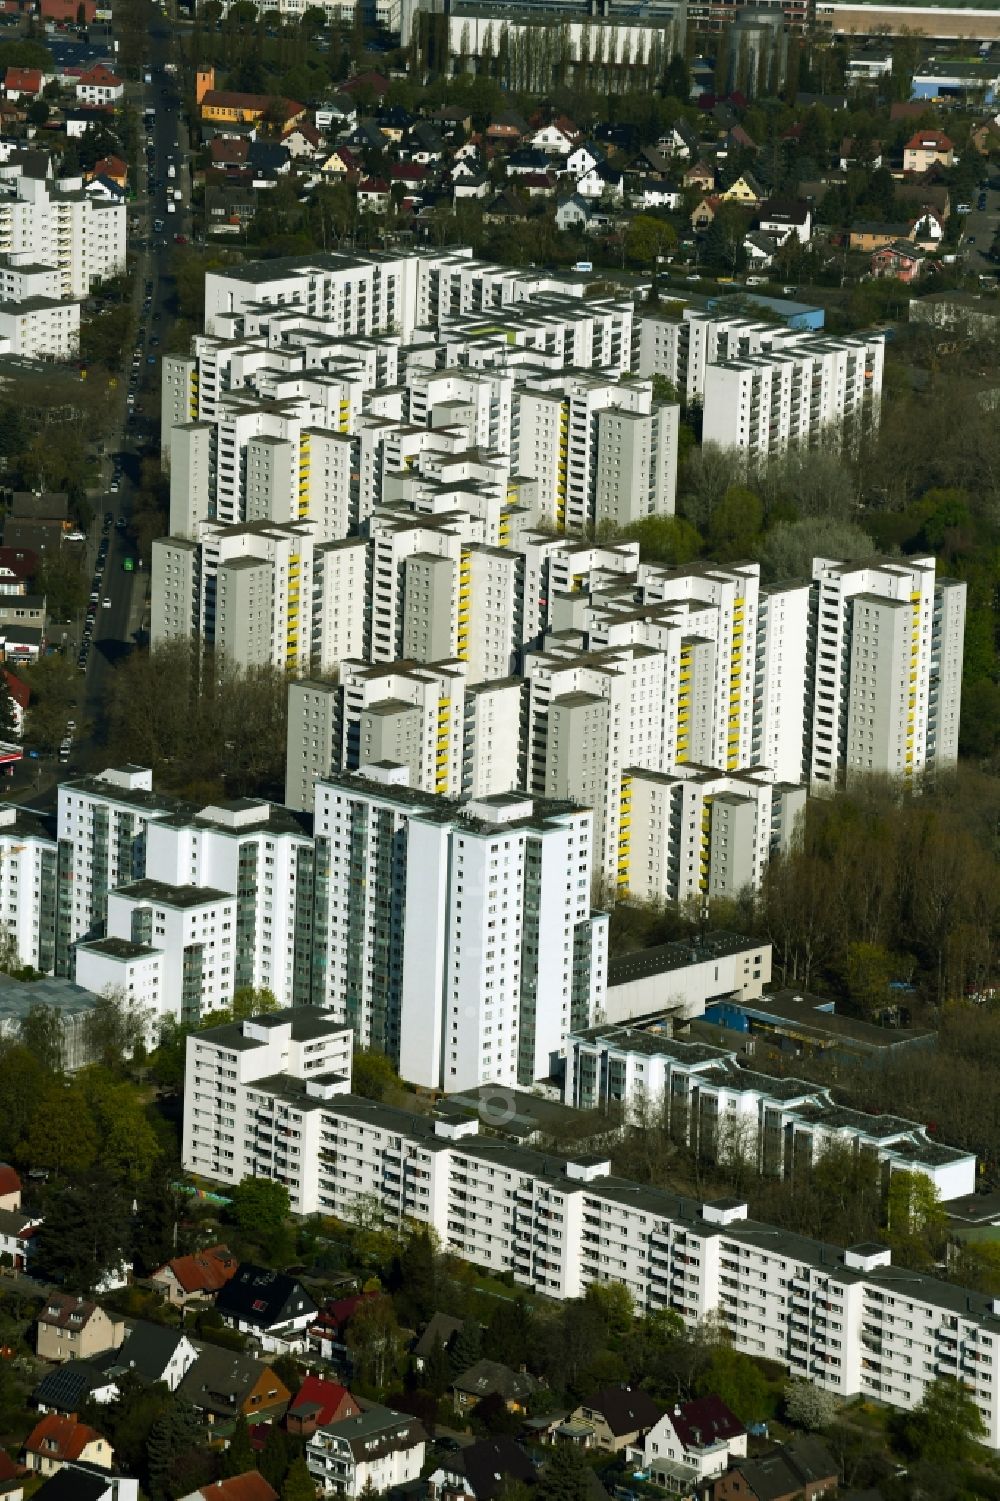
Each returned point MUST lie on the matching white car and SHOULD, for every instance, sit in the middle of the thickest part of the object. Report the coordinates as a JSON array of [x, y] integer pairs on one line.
[[107, 604], [114, 487]]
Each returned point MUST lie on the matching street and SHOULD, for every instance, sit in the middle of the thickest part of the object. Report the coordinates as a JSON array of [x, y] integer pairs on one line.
[[980, 226]]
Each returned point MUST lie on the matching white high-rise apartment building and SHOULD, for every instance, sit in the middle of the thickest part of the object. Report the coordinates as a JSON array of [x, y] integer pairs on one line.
[[460, 936], [28, 886], [797, 394], [239, 1122], [888, 655], [58, 225], [845, 1318]]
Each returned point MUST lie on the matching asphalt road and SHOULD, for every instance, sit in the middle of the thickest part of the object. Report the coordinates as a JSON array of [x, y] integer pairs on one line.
[[119, 626], [980, 226]]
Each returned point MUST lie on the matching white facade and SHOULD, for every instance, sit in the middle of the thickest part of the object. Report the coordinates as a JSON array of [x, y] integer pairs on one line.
[[843, 1317], [236, 1125], [371, 1453], [469, 945], [58, 225], [684, 978]]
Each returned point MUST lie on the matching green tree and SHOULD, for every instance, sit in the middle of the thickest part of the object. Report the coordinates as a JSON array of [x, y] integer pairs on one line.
[[260, 1207], [437, 1373], [173, 1434], [614, 1301], [298, 1484], [677, 79], [128, 1143], [113, 1030], [467, 1346], [916, 1224], [86, 1231], [508, 1333], [238, 1457], [415, 1279], [809, 1406], [375, 1342], [566, 1476], [736, 521], [373, 1076], [946, 1426], [62, 1135], [252, 1000], [41, 1033], [275, 1456], [664, 539], [23, 1081], [648, 237], [738, 1380], [8, 720]]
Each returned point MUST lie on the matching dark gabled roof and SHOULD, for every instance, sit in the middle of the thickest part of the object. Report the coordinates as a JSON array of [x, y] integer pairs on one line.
[[490, 1463], [440, 1326], [220, 1380], [626, 1409], [258, 1295], [147, 1350], [786, 1470], [488, 1376], [65, 1387], [705, 1421]]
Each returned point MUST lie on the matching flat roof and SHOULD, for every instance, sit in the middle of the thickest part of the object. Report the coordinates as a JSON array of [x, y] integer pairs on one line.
[[641, 964]]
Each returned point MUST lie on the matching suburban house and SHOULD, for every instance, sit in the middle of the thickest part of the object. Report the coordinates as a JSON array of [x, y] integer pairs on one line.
[[799, 1471], [80, 1481], [489, 1378], [72, 1329], [99, 86], [692, 1442], [67, 1387], [617, 1417], [441, 1329], [17, 1231], [11, 1478], [557, 139], [58, 1437], [870, 234], [23, 83], [328, 1330], [371, 1453], [195, 1278], [482, 1470], [250, 1486], [745, 190], [900, 259], [155, 1353], [221, 1384], [270, 1305], [786, 218], [926, 149], [317, 1404]]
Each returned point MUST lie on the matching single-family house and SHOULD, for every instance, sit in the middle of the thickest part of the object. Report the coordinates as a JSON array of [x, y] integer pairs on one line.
[[489, 1378], [927, 231], [68, 1386], [318, 1403], [195, 1278], [926, 149], [681, 139], [249, 1486], [482, 1470], [527, 160], [471, 187], [798, 1471], [271, 1306], [901, 259], [853, 152], [221, 1384], [868, 234], [374, 1451], [704, 211], [701, 176], [23, 83], [441, 1329], [373, 195], [745, 190], [328, 1331], [368, 85], [615, 1418], [70, 1328], [693, 1442], [602, 181], [303, 139], [760, 250], [58, 1437], [784, 218], [11, 1478], [583, 157], [111, 167], [80, 1481], [557, 138], [10, 1181], [507, 128], [654, 192], [153, 1353], [99, 86]]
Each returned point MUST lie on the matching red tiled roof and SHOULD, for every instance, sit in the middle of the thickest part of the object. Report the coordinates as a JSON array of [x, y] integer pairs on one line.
[[10, 1183], [25, 80], [101, 76], [250, 1486], [929, 140], [60, 1437], [328, 1396], [204, 1271], [373, 81], [373, 185], [66, 1308], [230, 99]]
